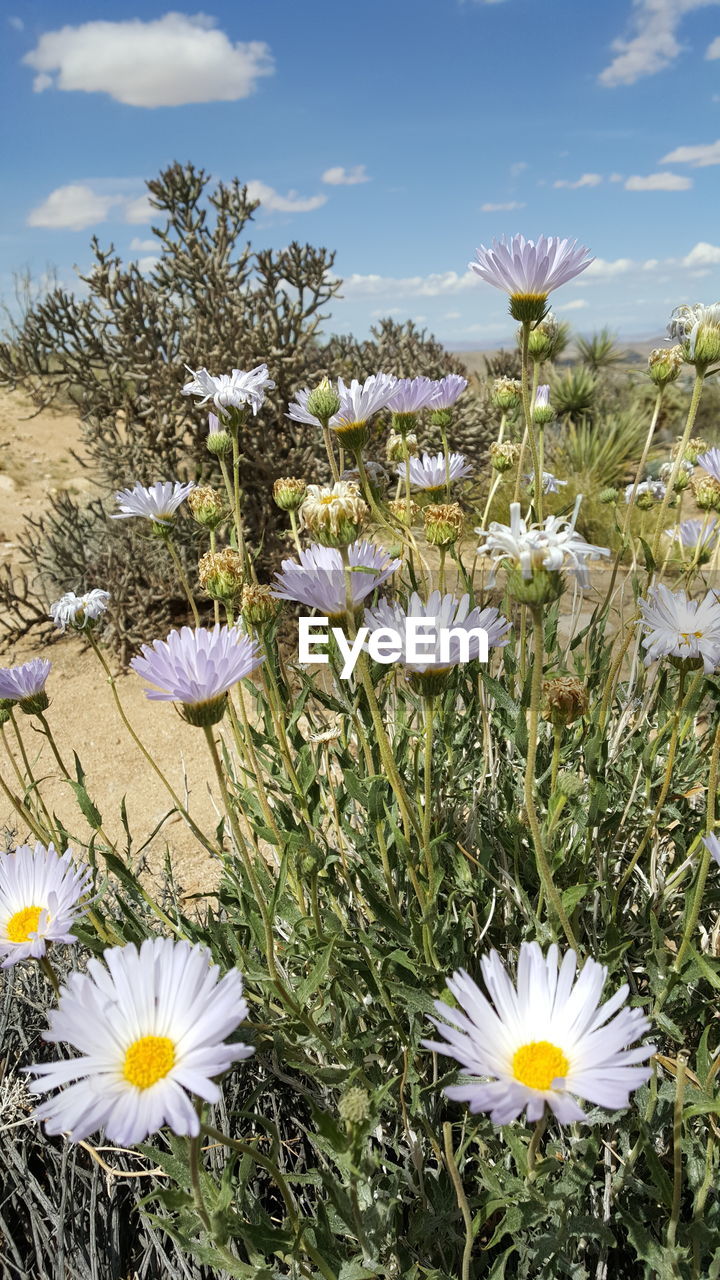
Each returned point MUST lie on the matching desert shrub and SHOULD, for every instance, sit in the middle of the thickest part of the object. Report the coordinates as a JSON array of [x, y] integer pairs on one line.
[[117, 352], [600, 351]]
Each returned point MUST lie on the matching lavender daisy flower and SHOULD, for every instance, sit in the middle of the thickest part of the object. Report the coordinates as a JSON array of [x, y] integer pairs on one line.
[[358, 403], [230, 391], [647, 493], [410, 395], [542, 396], [26, 685], [543, 1041], [710, 462], [447, 391], [40, 890], [528, 271], [318, 581], [429, 471], [159, 503], [79, 612], [197, 668], [696, 535], [446, 632], [684, 630]]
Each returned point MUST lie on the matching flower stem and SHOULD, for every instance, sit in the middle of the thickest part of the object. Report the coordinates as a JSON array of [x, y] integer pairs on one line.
[[543, 866], [689, 424], [677, 1149], [463, 1205], [50, 974], [428, 712], [706, 856], [329, 449], [182, 576], [527, 410], [535, 1145]]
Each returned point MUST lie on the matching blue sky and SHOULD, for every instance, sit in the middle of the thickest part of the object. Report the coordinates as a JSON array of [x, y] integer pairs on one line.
[[401, 133]]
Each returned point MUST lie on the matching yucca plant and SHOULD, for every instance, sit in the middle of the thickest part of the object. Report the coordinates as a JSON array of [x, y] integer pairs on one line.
[[574, 394], [599, 351]]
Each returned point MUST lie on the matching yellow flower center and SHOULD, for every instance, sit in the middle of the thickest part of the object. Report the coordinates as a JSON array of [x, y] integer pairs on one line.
[[148, 1060], [539, 1063], [687, 635], [328, 501], [23, 923]]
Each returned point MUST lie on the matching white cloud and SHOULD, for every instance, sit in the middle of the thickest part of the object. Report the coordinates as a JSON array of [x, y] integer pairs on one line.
[[17, 24], [341, 177], [577, 304], [142, 246], [431, 286], [713, 50], [385, 311], [585, 180], [653, 43], [507, 207], [146, 264], [658, 182], [453, 315], [139, 211], [290, 203], [164, 62], [700, 156], [73, 208], [518, 167], [703, 255]]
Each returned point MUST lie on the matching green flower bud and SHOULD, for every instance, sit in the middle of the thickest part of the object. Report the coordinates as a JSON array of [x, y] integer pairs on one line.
[[222, 574], [289, 493], [354, 1106], [219, 443], [207, 506], [324, 401], [608, 496], [258, 606], [543, 587]]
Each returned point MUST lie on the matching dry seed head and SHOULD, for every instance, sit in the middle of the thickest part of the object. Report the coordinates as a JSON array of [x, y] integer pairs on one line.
[[504, 457], [207, 506], [334, 515], [258, 606], [443, 523], [221, 574], [289, 493], [566, 699], [398, 446], [706, 490]]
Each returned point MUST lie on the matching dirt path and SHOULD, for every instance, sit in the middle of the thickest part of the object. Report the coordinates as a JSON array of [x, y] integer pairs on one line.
[[35, 459]]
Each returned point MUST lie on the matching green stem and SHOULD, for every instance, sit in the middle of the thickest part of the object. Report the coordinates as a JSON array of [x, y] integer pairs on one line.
[[428, 712], [461, 1198], [329, 449], [694, 915], [543, 866], [535, 1145], [50, 974], [182, 576], [677, 1150], [689, 424], [529, 427]]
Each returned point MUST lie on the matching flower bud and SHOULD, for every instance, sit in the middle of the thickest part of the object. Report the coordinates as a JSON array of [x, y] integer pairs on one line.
[[443, 523], [707, 346], [683, 477], [219, 443], [398, 447], [441, 418], [664, 364], [504, 457], [566, 699], [543, 414], [324, 401], [506, 393], [354, 1106], [289, 493], [570, 785], [334, 516], [222, 574], [543, 338], [204, 714], [706, 490], [608, 496], [258, 606], [207, 506]]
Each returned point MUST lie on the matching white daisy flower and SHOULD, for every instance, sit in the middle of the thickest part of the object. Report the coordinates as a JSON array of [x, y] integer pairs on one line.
[[442, 613], [429, 472], [230, 390], [40, 892], [544, 1041], [410, 395], [79, 612], [361, 400], [150, 1026], [158, 503], [677, 627], [694, 534], [551, 546], [651, 490]]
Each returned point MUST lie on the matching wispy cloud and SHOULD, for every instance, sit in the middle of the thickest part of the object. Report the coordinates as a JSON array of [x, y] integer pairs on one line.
[[585, 180], [271, 199], [652, 43], [658, 182], [165, 62], [142, 246], [506, 207], [518, 167], [341, 177], [435, 285], [699, 156], [577, 304]]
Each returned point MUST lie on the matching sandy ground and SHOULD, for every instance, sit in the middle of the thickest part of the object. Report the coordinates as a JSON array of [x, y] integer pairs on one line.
[[35, 459]]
